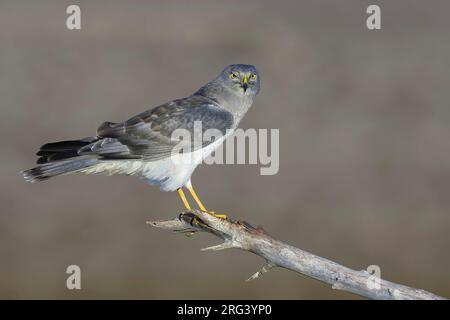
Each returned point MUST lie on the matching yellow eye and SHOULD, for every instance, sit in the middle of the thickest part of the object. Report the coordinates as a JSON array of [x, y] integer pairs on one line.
[[233, 75], [253, 76]]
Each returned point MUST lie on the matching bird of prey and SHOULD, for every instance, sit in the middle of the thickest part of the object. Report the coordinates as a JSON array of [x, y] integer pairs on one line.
[[144, 145]]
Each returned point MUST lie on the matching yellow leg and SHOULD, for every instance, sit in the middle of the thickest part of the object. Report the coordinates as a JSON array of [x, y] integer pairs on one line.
[[200, 204], [197, 199], [183, 198]]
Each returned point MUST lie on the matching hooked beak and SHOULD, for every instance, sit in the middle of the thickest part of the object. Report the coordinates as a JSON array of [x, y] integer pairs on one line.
[[245, 83]]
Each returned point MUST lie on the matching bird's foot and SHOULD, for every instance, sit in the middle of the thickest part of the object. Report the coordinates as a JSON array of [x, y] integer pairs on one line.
[[194, 219], [220, 216]]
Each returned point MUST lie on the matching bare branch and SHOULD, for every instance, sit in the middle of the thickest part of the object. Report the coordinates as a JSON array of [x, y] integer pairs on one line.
[[263, 270], [241, 235]]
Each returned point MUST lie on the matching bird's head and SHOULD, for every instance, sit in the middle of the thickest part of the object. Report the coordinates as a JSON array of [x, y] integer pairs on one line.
[[243, 79]]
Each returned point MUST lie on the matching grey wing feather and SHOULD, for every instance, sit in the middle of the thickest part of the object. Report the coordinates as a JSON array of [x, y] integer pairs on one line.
[[149, 134]]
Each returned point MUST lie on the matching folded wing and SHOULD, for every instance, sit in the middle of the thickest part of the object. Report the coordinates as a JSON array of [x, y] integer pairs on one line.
[[149, 135]]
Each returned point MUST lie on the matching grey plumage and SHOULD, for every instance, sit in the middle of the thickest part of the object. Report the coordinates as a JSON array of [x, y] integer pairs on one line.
[[147, 138], [148, 135], [47, 170]]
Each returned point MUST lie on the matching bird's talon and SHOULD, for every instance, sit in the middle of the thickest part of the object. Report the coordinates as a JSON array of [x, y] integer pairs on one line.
[[194, 218], [220, 216]]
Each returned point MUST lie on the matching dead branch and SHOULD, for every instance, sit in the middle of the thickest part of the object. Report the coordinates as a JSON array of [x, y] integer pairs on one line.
[[241, 235]]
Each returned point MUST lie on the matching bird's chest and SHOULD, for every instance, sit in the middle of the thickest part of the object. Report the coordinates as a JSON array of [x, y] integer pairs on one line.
[[176, 170]]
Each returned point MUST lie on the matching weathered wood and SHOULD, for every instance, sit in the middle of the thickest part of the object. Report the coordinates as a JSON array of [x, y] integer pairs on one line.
[[241, 235]]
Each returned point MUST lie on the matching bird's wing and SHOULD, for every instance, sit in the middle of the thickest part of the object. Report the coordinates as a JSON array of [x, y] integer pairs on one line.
[[149, 135]]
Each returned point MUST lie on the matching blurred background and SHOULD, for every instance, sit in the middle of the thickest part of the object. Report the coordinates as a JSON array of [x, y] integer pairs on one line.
[[364, 144]]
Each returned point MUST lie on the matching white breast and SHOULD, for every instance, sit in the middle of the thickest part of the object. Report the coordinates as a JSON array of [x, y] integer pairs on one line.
[[176, 171]]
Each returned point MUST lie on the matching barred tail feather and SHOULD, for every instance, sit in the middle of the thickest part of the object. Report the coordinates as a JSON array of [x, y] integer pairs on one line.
[[59, 158], [47, 170]]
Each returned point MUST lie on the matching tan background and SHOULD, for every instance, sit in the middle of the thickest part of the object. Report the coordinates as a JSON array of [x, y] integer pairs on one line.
[[364, 157]]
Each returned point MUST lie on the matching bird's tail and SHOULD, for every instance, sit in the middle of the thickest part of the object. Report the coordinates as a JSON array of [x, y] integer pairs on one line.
[[60, 158]]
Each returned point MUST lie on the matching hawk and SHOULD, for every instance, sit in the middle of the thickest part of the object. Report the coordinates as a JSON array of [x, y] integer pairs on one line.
[[146, 145]]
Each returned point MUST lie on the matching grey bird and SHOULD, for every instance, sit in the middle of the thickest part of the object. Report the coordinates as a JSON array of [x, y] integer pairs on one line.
[[146, 145]]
